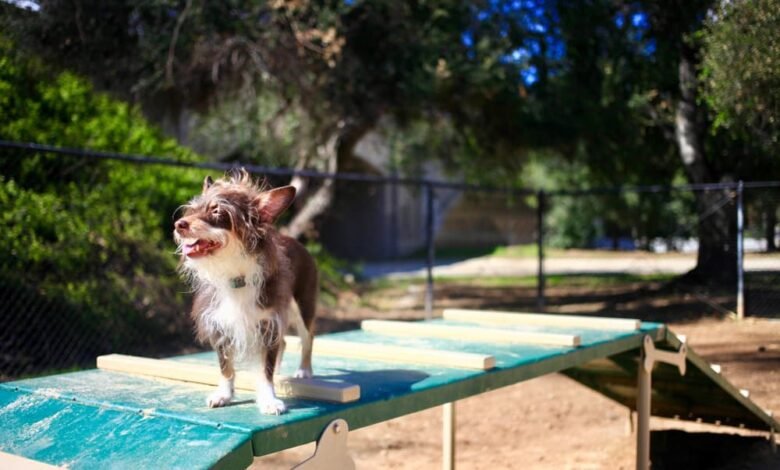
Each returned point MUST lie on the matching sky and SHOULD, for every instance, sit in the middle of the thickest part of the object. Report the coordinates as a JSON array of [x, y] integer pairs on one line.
[[27, 4], [539, 20]]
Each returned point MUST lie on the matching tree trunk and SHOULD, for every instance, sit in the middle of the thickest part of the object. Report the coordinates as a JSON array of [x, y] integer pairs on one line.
[[318, 202], [340, 145], [716, 260]]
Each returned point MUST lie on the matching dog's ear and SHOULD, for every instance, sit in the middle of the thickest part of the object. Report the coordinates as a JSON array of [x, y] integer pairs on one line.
[[207, 183], [271, 204]]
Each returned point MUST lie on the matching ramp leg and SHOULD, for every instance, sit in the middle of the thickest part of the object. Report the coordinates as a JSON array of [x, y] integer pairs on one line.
[[644, 389], [448, 436], [647, 359]]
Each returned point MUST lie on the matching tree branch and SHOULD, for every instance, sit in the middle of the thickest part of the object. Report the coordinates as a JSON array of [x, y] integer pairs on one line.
[[339, 145], [321, 199], [174, 39]]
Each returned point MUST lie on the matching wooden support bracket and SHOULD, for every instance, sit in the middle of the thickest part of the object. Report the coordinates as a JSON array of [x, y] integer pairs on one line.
[[331, 452], [653, 355], [312, 389]]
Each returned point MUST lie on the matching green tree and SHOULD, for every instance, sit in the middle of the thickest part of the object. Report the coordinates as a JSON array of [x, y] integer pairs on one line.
[[741, 81], [710, 152], [741, 69]]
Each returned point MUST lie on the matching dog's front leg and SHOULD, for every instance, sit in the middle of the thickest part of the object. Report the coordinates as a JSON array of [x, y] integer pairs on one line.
[[224, 392], [269, 352]]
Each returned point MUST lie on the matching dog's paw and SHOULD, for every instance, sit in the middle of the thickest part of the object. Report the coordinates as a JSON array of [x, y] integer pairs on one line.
[[303, 373], [219, 398], [271, 406]]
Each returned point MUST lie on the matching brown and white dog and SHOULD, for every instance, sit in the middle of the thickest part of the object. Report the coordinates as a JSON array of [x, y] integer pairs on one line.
[[249, 280]]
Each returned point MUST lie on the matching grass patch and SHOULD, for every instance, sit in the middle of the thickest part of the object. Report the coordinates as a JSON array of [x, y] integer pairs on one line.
[[604, 280], [558, 280], [763, 279], [492, 281], [453, 253], [528, 250]]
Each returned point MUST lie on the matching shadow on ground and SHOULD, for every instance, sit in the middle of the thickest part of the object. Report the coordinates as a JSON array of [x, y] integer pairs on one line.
[[680, 450], [602, 295]]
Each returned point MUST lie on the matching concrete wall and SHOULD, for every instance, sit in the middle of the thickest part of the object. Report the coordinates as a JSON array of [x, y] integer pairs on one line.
[[486, 220], [379, 222]]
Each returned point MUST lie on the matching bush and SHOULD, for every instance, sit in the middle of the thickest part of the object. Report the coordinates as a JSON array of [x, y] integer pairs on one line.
[[92, 233]]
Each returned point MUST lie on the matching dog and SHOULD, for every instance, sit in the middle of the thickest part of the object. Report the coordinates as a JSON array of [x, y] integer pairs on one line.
[[249, 281]]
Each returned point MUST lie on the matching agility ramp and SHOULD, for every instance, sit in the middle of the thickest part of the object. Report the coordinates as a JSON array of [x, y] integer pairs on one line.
[[140, 413]]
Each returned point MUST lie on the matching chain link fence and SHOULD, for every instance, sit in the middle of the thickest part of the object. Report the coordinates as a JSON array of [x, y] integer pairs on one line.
[[633, 253], [658, 253], [762, 256], [81, 276]]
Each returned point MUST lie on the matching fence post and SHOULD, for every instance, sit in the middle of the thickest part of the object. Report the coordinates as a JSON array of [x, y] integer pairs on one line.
[[429, 208], [740, 252], [540, 202]]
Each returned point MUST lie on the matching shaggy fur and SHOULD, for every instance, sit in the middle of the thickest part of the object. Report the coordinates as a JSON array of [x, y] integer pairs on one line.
[[249, 280]]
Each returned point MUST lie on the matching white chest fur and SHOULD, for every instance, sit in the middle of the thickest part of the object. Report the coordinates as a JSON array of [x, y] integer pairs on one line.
[[234, 313]]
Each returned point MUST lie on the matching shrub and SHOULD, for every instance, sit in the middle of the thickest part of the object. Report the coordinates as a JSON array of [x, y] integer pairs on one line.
[[92, 233]]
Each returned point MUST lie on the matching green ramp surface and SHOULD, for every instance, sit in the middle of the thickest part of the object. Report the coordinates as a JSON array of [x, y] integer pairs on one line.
[[120, 419]]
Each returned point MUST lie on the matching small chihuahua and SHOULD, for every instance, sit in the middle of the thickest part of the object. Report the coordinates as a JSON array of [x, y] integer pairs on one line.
[[249, 280]]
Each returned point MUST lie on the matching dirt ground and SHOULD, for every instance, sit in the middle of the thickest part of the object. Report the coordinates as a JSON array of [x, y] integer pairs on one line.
[[553, 422]]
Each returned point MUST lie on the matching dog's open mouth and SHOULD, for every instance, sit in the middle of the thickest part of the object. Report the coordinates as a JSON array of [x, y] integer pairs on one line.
[[200, 248]]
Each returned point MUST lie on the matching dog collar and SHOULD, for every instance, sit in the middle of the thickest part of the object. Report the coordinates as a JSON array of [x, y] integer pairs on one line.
[[237, 282]]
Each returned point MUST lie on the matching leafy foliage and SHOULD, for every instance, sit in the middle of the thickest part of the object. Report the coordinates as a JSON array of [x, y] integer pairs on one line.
[[741, 69], [94, 233], [577, 220], [260, 128]]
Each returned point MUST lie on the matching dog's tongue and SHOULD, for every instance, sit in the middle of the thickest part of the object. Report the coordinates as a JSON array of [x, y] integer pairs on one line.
[[199, 248]]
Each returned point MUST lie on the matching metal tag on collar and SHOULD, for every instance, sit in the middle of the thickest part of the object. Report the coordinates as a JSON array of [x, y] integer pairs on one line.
[[238, 282]]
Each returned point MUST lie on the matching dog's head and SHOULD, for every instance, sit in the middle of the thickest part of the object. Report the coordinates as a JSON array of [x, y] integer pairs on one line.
[[231, 210]]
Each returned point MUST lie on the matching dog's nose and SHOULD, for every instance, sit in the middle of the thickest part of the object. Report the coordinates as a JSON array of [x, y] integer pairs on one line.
[[182, 224]]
